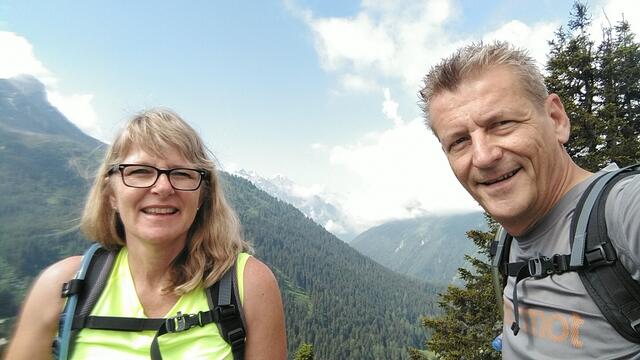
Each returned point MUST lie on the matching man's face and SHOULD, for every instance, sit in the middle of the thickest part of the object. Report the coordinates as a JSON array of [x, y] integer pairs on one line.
[[506, 151]]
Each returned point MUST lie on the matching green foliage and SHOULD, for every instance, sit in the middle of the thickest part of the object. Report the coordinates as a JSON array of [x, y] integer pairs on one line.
[[6, 327], [345, 304], [470, 318], [600, 89], [305, 352], [417, 354]]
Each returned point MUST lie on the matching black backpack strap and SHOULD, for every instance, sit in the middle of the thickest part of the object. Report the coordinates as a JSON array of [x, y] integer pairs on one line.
[[82, 293], [225, 311], [224, 299], [180, 322], [606, 280]]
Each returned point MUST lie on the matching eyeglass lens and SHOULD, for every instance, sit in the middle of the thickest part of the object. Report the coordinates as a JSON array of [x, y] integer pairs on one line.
[[143, 176]]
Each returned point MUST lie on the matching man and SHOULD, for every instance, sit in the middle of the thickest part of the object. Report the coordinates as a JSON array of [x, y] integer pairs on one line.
[[503, 135]]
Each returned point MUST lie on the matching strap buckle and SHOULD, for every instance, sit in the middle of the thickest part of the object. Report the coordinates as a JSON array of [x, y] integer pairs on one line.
[[539, 267], [543, 266], [236, 337], [74, 286], [225, 312], [603, 254], [635, 325], [182, 322]]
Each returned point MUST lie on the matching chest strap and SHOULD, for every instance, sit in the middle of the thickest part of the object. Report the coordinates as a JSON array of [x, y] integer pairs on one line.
[[538, 268]]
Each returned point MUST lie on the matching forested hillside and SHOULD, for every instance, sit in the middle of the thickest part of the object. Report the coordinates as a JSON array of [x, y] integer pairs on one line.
[[342, 303], [428, 248]]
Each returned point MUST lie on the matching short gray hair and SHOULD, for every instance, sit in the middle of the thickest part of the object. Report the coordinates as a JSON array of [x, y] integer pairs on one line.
[[476, 58]]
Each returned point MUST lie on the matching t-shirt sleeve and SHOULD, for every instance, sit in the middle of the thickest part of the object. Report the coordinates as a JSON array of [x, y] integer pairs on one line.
[[622, 213]]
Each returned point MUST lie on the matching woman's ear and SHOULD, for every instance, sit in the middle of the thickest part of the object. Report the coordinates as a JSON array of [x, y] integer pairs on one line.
[[555, 111], [111, 194]]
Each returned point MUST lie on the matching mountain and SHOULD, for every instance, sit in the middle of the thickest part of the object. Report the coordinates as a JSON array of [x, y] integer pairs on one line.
[[313, 204], [24, 109], [428, 248], [343, 303], [45, 162]]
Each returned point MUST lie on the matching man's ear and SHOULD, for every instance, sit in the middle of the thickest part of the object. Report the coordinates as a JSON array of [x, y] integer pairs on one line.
[[555, 111]]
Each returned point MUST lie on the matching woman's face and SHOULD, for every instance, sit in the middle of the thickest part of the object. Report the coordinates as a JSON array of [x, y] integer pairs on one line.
[[157, 215]]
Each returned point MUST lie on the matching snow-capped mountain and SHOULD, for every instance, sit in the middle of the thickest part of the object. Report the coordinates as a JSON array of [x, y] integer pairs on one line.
[[311, 201]]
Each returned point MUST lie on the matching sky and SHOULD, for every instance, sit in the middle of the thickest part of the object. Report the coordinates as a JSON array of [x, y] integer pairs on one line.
[[321, 92]]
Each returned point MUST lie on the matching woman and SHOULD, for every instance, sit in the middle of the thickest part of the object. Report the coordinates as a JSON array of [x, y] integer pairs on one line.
[[157, 198]]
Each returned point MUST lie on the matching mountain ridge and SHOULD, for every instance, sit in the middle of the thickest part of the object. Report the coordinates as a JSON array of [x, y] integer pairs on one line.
[[428, 247], [314, 204]]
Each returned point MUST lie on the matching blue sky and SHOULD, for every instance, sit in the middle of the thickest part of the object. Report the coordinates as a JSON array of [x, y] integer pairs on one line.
[[322, 92]]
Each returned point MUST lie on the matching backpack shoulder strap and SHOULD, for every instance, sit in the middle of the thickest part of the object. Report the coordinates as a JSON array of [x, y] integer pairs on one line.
[[593, 255], [82, 293], [499, 253], [224, 300]]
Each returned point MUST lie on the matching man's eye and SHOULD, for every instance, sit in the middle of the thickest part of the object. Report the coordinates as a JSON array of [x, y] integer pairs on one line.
[[458, 142], [502, 123]]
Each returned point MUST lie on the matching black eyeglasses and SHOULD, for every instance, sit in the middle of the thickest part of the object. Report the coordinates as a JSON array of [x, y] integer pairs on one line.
[[145, 176]]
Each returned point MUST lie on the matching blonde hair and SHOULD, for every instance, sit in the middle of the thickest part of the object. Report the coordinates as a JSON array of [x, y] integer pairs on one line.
[[214, 239], [476, 58]]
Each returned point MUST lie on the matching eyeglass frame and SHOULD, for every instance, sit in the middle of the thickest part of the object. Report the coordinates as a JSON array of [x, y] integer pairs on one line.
[[120, 167]]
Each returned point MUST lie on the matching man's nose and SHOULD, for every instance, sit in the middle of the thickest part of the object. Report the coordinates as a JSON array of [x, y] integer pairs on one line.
[[485, 151]]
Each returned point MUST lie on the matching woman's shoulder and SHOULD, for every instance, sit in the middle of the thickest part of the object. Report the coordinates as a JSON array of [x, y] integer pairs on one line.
[[38, 320], [62, 270], [49, 284], [258, 278]]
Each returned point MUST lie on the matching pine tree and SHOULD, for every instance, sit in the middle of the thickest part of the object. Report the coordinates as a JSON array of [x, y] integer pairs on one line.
[[305, 352], [572, 75], [471, 317], [600, 90], [618, 65]]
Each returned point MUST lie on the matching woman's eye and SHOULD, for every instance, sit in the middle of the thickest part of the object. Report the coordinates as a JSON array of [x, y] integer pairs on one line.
[[185, 174], [140, 172]]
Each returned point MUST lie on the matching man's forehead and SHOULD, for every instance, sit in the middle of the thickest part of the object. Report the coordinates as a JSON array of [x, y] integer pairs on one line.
[[480, 99]]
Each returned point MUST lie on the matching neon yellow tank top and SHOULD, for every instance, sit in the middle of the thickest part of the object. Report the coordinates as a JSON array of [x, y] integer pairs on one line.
[[119, 298]]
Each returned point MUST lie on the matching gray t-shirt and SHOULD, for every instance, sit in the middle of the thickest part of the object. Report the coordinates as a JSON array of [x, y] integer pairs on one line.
[[558, 319]]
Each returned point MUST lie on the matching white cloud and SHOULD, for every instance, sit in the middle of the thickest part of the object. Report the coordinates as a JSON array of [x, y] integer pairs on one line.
[[533, 38], [335, 227], [391, 40], [402, 173], [22, 60], [318, 147], [610, 12], [357, 41], [390, 108], [358, 83], [19, 59], [394, 39], [78, 109]]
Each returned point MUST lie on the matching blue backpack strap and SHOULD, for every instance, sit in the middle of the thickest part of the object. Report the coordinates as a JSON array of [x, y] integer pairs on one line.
[[609, 284], [82, 292]]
